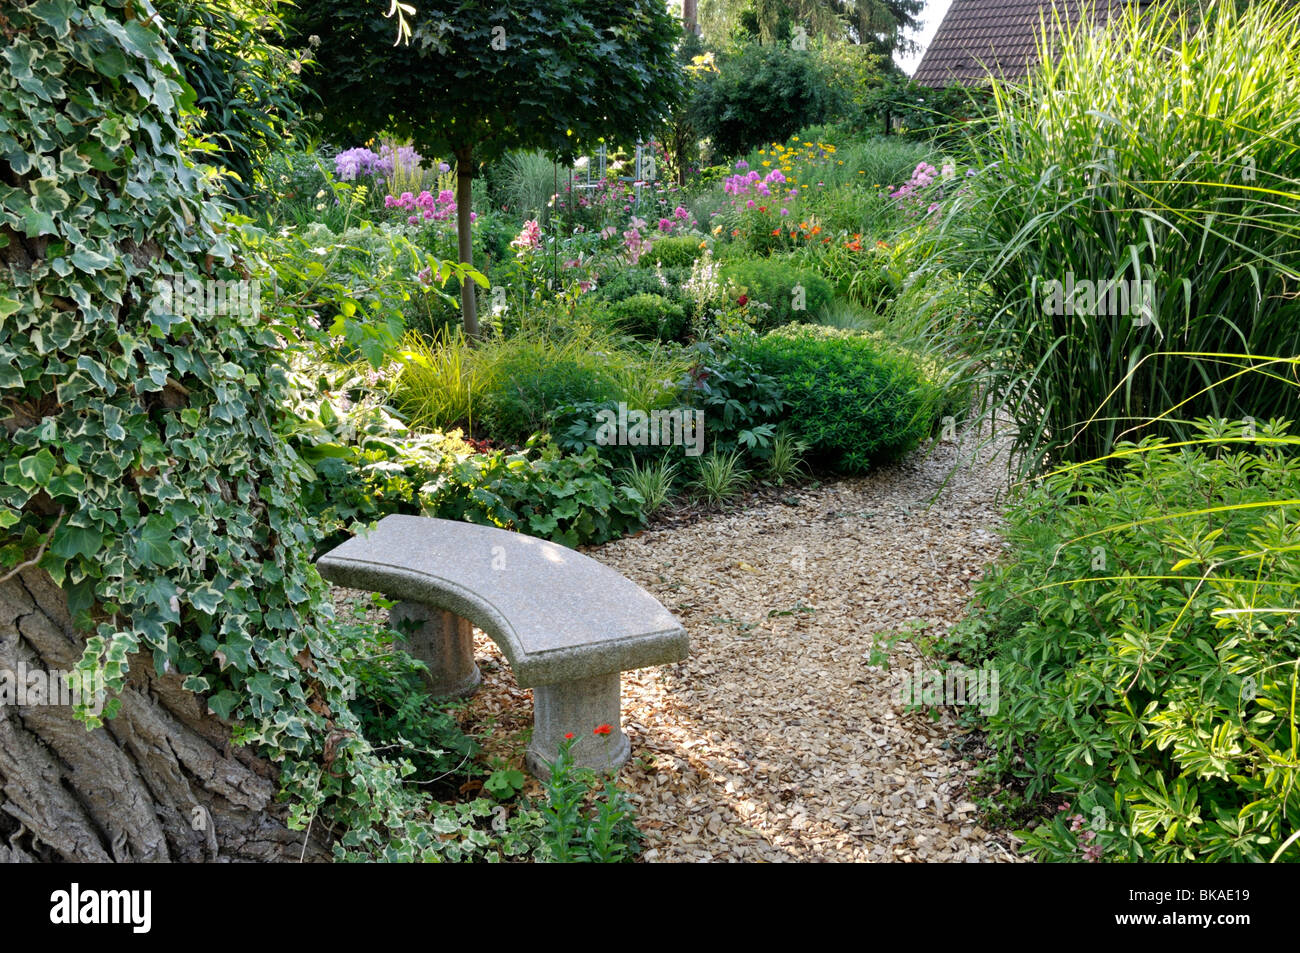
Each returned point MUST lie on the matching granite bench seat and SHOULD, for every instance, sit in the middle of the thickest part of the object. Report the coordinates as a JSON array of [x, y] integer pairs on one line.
[[567, 624]]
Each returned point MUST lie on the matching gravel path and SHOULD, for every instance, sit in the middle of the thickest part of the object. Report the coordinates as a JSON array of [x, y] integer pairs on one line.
[[778, 740]]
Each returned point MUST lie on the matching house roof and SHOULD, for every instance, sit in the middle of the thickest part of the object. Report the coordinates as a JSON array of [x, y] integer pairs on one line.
[[978, 37]]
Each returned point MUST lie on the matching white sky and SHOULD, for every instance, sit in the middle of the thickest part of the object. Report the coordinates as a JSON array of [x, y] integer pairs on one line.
[[930, 19]]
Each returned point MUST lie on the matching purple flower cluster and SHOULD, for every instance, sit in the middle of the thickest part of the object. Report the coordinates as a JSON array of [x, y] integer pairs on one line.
[[741, 184], [681, 216], [354, 163], [909, 194], [922, 175]]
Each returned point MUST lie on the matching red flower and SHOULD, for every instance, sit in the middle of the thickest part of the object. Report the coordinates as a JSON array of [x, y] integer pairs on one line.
[[601, 730], [569, 736], [742, 300]]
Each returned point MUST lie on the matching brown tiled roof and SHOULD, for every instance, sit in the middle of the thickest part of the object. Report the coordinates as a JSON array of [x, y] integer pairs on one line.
[[978, 37]]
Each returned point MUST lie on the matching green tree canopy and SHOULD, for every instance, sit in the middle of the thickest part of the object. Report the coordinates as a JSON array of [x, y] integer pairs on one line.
[[479, 78], [878, 24], [762, 94]]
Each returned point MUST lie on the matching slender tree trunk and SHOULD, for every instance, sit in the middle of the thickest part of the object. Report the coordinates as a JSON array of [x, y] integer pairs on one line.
[[464, 198], [159, 782]]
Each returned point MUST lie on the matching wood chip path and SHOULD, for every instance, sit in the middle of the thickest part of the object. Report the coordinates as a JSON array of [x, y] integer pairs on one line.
[[778, 739]]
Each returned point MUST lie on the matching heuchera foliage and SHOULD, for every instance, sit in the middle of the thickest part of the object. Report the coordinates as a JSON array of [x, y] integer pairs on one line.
[[851, 397]]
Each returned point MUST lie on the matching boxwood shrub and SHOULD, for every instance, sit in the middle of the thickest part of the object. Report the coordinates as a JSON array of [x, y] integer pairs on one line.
[[774, 281], [675, 251], [853, 398]]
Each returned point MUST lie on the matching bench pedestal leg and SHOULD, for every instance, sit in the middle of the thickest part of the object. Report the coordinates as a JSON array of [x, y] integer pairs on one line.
[[578, 707], [444, 642]]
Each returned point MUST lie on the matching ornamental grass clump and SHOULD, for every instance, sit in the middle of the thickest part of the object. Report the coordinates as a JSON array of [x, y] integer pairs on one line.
[[1159, 154]]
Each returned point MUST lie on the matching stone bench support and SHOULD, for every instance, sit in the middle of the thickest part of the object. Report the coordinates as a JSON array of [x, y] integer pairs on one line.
[[567, 624], [584, 701], [444, 642]]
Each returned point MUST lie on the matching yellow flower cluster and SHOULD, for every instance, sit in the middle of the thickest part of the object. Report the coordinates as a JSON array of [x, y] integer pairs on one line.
[[803, 155]]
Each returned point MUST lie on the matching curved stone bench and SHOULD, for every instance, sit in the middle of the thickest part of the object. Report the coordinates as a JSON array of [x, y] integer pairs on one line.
[[567, 624]]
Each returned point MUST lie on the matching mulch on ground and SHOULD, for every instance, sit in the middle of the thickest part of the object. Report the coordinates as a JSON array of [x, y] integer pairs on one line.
[[779, 739]]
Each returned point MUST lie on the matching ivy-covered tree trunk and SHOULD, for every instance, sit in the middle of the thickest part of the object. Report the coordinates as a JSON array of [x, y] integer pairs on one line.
[[160, 782], [151, 534]]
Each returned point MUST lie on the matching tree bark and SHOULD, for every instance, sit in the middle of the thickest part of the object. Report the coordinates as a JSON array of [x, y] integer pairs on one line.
[[464, 237], [159, 782], [690, 17]]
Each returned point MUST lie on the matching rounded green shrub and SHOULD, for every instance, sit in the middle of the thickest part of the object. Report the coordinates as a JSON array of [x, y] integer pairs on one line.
[[791, 293], [675, 251], [650, 316], [627, 282], [761, 94], [852, 398]]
